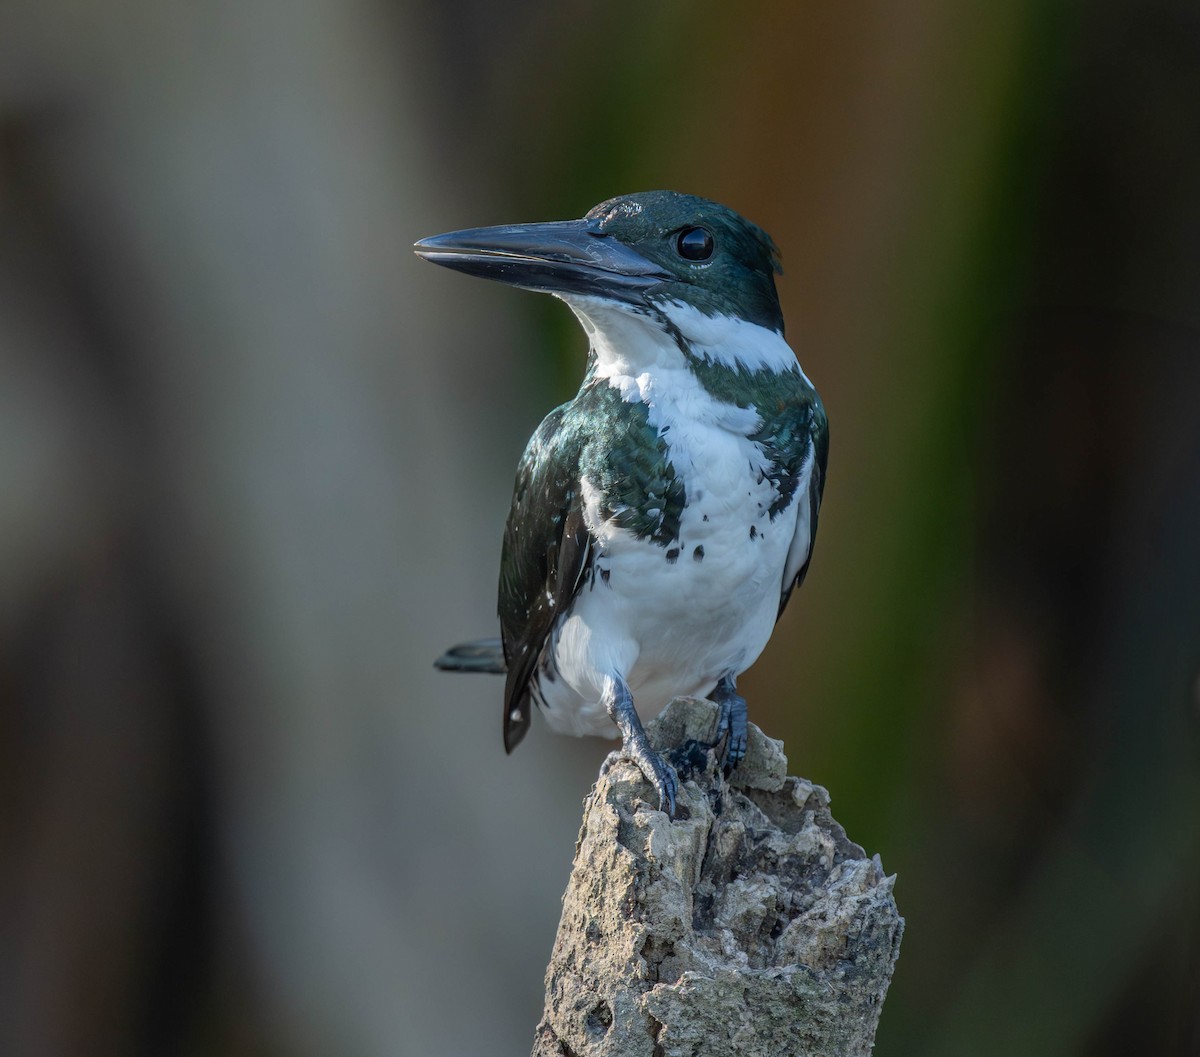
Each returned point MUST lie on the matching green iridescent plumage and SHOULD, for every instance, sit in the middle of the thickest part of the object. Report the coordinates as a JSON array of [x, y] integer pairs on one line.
[[791, 413], [739, 281]]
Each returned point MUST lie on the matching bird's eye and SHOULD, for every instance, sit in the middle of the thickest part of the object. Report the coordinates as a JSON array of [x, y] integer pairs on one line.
[[694, 244]]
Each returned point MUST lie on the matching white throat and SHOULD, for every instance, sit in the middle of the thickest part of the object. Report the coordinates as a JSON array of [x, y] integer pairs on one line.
[[626, 342], [630, 342], [639, 357]]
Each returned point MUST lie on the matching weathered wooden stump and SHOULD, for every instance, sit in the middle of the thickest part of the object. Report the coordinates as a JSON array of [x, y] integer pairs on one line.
[[749, 926]]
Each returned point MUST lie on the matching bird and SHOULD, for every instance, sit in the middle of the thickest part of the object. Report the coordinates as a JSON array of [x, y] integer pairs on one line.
[[663, 517]]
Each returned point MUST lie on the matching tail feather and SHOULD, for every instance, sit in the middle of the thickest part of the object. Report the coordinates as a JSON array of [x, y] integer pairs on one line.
[[482, 655]]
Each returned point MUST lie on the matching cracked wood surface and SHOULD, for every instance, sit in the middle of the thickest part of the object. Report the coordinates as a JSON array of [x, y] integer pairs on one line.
[[749, 926]]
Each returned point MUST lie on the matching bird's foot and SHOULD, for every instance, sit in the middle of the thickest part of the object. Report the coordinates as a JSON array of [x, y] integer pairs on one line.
[[731, 725], [635, 745], [658, 772]]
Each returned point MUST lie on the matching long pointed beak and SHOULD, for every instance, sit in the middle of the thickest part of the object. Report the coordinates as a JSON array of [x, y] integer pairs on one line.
[[565, 257]]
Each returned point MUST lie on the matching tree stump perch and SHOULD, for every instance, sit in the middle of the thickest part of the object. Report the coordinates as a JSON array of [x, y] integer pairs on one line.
[[748, 927]]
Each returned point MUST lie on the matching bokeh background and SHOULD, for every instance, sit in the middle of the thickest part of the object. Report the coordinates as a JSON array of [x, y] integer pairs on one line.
[[255, 460]]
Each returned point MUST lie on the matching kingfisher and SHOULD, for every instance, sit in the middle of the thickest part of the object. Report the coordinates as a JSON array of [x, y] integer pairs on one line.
[[662, 518]]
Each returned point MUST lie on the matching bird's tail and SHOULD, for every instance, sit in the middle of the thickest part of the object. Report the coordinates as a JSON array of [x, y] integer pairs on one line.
[[482, 655]]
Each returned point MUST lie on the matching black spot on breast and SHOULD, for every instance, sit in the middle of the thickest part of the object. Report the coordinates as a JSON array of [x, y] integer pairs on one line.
[[605, 574], [705, 517], [698, 554], [672, 555], [753, 531]]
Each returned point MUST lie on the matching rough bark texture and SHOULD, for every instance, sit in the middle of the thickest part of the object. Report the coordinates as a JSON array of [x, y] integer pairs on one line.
[[751, 925]]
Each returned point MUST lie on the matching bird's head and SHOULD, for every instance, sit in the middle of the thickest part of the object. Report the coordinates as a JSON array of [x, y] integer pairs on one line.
[[639, 251]]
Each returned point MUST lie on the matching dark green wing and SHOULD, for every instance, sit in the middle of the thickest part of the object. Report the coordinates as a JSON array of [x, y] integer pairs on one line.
[[547, 552], [800, 553]]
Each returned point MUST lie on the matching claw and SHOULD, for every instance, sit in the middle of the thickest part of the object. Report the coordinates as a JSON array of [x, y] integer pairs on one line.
[[619, 703], [662, 777], [658, 772], [731, 725]]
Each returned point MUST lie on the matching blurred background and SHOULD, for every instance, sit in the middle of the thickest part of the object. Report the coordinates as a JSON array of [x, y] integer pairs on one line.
[[255, 460]]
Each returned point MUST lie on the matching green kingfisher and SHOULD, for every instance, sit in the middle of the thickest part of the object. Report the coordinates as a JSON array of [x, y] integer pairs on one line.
[[662, 518]]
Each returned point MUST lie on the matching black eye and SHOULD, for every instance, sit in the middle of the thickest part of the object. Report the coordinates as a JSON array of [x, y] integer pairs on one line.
[[694, 244]]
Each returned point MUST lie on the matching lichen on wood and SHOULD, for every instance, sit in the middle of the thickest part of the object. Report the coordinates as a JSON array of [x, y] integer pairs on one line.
[[750, 926]]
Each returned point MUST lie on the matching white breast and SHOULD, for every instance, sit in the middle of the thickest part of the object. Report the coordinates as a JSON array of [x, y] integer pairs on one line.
[[672, 621]]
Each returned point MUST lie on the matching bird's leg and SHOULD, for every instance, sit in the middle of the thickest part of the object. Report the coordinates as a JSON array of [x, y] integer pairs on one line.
[[731, 724], [618, 701]]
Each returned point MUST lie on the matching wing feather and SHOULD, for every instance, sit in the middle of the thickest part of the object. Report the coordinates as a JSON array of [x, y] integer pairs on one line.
[[800, 552], [544, 562]]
